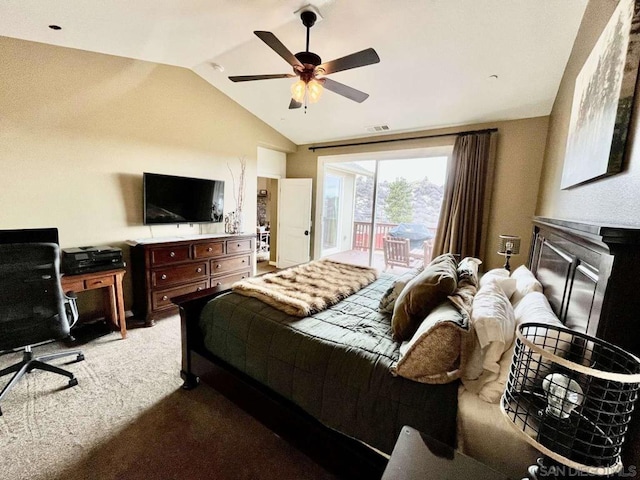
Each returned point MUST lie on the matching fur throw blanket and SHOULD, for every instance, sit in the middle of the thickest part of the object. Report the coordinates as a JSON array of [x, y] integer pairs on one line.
[[308, 288]]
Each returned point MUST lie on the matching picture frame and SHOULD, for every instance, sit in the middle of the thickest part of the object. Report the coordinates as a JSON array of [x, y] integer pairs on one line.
[[603, 101]]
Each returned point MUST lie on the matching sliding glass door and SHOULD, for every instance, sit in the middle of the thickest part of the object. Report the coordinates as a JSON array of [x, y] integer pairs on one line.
[[366, 201]]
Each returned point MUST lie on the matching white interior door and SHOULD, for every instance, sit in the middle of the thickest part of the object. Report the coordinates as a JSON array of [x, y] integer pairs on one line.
[[294, 221]]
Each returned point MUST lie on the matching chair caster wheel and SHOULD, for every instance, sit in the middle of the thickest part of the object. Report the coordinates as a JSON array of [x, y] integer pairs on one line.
[[80, 357], [73, 382]]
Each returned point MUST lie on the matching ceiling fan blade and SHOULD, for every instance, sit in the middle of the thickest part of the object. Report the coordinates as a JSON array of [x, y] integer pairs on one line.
[[277, 46], [345, 90], [249, 78], [358, 59], [294, 104]]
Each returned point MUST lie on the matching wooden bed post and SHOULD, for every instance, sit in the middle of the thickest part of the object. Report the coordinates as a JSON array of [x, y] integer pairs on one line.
[[191, 306]]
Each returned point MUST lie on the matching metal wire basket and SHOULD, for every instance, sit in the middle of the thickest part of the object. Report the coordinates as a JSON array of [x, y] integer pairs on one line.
[[571, 396]]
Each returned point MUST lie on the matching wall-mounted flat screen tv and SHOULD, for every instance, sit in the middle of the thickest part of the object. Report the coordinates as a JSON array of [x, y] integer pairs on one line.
[[172, 199]]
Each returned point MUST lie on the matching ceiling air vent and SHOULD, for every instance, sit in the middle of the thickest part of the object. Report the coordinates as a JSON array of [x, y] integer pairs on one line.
[[377, 128]]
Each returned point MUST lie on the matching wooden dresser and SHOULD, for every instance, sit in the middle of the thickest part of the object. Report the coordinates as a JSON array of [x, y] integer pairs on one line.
[[165, 268]]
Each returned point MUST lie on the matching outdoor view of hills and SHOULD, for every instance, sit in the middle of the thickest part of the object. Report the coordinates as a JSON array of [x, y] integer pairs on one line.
[[399, 201]]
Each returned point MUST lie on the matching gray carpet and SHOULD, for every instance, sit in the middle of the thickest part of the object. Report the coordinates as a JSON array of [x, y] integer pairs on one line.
[[128, 418]]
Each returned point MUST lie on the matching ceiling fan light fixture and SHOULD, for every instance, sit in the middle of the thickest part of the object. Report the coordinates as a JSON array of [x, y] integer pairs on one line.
[[314, 89], [310, 70], [298, 90]]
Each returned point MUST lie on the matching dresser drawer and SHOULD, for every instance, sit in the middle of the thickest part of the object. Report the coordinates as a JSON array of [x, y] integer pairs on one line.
[[210, 249], [179, 274], [230, 264], [229, 279], [161, 256], [237, 246], [163, 298]]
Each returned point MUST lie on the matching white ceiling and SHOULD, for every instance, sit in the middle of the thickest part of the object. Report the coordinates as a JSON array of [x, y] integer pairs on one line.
[[437, 56]]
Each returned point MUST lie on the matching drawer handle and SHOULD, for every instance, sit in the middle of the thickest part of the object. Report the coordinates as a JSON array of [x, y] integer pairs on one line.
[[163, 276], [209, 249], [199, 269], [218, 266], [238, 245], [199, 288], [172, 254], [99, 281], [164, 297], [218, 284]]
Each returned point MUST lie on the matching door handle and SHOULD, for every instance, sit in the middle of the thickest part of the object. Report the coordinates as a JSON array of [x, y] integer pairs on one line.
[[306, 232]]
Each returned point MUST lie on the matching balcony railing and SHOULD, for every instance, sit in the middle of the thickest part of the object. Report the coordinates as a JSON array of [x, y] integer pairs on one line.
[[362, 234]]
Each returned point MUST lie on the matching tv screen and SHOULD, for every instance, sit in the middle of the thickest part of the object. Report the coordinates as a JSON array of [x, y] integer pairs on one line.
[[172, 199]]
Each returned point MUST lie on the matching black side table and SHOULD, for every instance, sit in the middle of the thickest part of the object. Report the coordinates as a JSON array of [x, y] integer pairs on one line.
[[417, 456]]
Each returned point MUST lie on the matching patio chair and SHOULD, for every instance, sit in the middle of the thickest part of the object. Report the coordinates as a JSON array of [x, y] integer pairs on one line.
[[396, 252], [427, 247]]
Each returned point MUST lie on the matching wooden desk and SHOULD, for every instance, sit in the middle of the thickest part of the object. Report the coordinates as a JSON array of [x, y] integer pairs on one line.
[[111, 281]]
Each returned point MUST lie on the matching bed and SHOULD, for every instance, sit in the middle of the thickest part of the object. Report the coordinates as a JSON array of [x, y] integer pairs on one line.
[[583, 270]]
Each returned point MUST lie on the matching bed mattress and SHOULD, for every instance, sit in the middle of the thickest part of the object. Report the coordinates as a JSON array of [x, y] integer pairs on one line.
[[333, 364], [485, 435]]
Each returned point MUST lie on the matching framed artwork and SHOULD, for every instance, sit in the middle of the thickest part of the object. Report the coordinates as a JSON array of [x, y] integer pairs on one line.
[[603, 100]]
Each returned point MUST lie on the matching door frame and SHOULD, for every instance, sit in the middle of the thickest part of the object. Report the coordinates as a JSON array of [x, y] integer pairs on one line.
[[276, 201]]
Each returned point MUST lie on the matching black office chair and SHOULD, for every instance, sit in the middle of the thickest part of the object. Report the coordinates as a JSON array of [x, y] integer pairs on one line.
[[33, 308]]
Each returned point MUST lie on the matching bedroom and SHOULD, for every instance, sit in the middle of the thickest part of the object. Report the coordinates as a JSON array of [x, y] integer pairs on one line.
[[79, 128]]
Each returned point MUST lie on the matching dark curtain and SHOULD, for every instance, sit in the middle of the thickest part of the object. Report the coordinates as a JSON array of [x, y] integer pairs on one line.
[[460, 226]]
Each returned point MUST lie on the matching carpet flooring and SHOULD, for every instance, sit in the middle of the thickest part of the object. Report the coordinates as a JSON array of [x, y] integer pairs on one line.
[[128, 418]]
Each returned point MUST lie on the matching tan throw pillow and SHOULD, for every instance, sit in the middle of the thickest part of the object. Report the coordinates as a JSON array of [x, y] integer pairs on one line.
[[422, 294], [432, 354]]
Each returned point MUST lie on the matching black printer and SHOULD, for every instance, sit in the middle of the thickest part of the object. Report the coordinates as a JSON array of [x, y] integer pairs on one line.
[[91, 259]]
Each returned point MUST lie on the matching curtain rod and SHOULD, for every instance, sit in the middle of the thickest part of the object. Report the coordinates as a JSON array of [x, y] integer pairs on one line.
[[468, 132]]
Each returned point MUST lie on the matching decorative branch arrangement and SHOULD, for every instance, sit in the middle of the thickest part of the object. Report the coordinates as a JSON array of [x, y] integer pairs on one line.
[[233, 221]]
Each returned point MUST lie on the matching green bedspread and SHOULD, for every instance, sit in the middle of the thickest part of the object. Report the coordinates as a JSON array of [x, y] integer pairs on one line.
[[333, 364]]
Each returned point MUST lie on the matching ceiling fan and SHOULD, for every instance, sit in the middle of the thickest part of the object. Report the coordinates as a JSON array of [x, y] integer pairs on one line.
[[311, 71]]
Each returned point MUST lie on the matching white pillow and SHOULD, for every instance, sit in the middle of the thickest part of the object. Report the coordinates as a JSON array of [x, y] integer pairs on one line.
[[501, 277], [493, 327], [534, 307], [526, 283]]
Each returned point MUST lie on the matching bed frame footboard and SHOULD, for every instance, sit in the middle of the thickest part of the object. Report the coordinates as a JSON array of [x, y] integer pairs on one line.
[[191, 306], [338, 453]]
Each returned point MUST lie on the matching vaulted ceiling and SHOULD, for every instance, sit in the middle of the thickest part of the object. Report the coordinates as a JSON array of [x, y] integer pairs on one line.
[[442, 62]]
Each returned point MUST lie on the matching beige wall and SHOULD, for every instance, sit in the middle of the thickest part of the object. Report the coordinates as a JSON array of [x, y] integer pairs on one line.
[[613, 199], [77, 129], [519, 156]]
